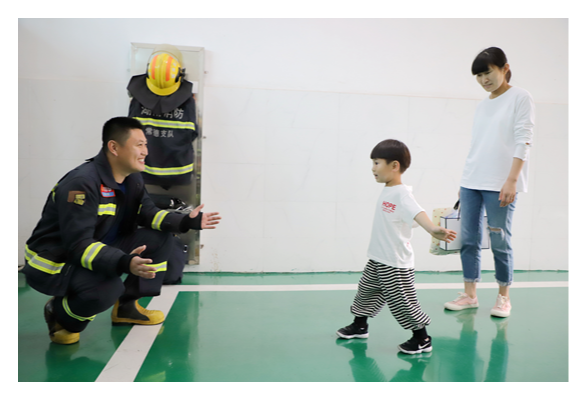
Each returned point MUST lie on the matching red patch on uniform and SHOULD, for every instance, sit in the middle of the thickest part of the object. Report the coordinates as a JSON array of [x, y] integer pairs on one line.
[[106, 191]]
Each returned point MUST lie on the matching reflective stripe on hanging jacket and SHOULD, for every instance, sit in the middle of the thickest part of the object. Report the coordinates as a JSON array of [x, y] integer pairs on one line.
[[170, 128]]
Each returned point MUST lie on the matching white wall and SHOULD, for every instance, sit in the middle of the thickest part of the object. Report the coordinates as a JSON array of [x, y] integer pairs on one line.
[[292, 109]]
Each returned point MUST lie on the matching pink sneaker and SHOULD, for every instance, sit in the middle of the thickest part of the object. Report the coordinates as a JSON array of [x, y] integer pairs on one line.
[[502, 307], [462, 302]]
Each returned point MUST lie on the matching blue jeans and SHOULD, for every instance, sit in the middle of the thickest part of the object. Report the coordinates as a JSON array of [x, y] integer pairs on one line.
[[473, 203]]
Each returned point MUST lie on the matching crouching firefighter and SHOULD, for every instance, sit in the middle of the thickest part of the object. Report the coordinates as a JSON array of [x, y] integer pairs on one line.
[[98, 223]]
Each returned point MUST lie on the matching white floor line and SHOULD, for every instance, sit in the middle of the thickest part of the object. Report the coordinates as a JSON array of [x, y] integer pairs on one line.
[[125, 363], [128, 358], [291, 288]]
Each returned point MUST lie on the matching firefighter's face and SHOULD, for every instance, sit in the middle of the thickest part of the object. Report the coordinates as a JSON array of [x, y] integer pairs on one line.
[[132, 154]]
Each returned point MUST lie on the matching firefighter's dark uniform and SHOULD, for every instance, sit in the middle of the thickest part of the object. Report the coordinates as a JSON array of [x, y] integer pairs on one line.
[[170, 127], [67, 256]]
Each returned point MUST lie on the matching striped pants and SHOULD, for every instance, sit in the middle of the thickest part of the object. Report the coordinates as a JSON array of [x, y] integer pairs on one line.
[[381, 284]]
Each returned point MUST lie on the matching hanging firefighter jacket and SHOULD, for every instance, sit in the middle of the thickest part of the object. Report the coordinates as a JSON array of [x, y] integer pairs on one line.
[[170, 127]]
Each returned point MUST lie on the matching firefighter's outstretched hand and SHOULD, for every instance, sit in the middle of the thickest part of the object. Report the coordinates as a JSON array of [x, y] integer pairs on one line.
[[209, 220], [138, 265]]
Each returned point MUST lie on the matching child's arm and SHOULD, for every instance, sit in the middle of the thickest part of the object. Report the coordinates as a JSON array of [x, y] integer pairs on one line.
[[437, 232]]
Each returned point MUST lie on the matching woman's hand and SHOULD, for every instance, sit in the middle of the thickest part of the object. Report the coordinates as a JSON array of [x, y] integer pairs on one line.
[[508, 193]]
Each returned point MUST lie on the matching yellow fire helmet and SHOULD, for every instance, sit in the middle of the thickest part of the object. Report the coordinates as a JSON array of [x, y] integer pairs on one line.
[[164, 70]]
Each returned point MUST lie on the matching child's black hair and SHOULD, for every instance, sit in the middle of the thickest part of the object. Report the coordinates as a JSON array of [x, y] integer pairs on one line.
[[392, 150], [488, 57]]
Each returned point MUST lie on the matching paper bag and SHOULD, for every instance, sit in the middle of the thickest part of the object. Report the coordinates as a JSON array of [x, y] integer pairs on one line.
[[436, 248], [449, 218]]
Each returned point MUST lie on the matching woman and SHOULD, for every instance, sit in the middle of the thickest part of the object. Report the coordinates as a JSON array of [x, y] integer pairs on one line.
[[496, 170]]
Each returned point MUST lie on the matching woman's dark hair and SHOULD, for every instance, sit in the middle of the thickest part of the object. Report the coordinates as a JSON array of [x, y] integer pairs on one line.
[[490, 56], [392, 150]]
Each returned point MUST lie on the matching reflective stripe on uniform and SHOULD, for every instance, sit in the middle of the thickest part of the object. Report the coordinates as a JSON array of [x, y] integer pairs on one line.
[[158, 219], [71, 314], [169, 171], [42, 264], [107, 209], [140, 206], [90, 254], [160, 267], [53, 192], [167, 124]]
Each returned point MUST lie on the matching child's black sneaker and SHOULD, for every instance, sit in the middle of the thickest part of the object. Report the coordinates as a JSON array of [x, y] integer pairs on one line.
[[353, 331], [416, 346]]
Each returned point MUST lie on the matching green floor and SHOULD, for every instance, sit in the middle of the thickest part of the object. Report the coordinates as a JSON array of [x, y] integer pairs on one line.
[[290, 336]]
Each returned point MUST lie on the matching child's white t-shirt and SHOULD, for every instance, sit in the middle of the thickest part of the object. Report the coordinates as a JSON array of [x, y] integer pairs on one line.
[[392, 229]]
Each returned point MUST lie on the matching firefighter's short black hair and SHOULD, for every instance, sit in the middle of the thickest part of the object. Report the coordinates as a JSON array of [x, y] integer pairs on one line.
[[118, 129]]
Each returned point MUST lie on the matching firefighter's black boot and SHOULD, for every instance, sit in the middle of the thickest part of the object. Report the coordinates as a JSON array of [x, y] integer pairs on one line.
[[56, 332]]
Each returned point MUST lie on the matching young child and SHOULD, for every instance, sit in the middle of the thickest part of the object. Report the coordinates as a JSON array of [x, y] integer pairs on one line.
[[389, 274]]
